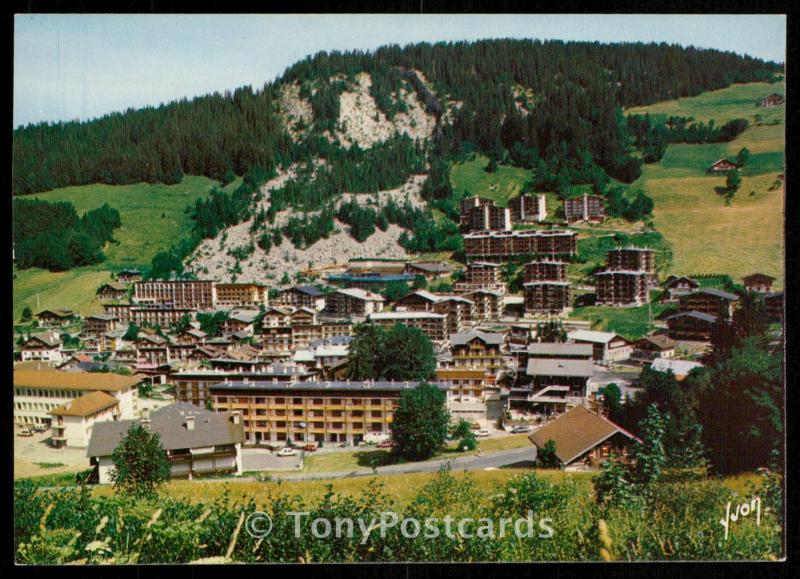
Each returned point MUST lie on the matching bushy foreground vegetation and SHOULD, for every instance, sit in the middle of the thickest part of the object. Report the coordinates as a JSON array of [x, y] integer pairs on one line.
[[679, 520]]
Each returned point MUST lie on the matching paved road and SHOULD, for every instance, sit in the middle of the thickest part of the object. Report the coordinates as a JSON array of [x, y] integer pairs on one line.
[[472, 462]]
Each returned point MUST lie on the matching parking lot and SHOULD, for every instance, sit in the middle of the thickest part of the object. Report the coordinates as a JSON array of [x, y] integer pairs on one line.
[[34, 456], [254, 459]]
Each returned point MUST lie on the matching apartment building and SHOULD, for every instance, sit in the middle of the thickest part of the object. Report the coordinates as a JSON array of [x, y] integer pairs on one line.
[[488, 303], [528, 208], [459, 310], [333, 412], [547, 297], [98, 324], [301, 296], [432, 325], [487, 217], [503, 244], [547, 270], [192, 385], [239, 295], [632, 259], [558, 377], [162, 316], [192, 294], [691, 325], [475, 350], [584, 208], [710, 301], [607, 347], [481, 275], [352, 302], [621, 288]]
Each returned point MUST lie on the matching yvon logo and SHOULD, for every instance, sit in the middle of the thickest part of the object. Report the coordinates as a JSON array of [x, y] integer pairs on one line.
[[742, 510]]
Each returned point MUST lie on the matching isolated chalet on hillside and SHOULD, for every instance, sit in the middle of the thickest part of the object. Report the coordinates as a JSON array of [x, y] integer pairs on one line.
[[721, 166], [583, 439]]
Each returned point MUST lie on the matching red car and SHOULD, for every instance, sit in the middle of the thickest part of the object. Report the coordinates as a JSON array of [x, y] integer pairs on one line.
[[310, 447], [386, 444]]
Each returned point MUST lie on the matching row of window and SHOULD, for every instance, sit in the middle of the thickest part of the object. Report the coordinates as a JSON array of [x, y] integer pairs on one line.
[[57, 393]]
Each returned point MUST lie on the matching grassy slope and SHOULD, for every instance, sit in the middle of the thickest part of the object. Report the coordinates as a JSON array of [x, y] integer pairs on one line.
[[504, 184], [705, 235], [144, 233]]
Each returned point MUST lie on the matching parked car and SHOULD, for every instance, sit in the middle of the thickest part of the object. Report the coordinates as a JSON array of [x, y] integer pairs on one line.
[[25, 433], [287, 451], [386, 444], [482, 433], [522, 428]]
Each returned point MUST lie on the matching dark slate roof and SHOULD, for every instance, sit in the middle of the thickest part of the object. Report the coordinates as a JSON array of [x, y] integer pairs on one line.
[[210, 429], [307, 289], [462, 338], [430, 267], [693, 314], [716, 293], [331, 385], [560, 367]]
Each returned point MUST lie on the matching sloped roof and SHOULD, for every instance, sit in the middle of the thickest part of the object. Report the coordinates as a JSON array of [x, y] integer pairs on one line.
[[758, 276], [714, 292], [51, 339], [462, 338], [210, 429], [575, 432], [563, 367], [661, 341], [557, 348], [693, 314], [678, 367], [86, 405], [593, 336], [73, 381]]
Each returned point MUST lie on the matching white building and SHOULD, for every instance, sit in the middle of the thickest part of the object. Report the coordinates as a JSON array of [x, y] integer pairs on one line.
[[607, 346], [38, 392], [42, 347], [72, 423]]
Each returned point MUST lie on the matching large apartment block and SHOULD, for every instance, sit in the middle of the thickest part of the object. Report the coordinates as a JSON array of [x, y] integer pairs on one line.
[[547, 297], [154, 315], [621, 287], [233, 295], [584, 208], [545, 271], [528, 208], [503, 244], [478, 214], [327, 412], [632, 259], [488, 303], [481, 275], [352, 302], [194, 294]]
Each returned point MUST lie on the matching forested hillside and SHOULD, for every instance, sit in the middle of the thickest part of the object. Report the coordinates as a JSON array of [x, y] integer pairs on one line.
[[570, 126]]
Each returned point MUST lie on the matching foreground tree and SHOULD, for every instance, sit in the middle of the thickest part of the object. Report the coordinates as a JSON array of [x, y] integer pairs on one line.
[[547, 457], [400, 353], [140, 463], [419, 427]]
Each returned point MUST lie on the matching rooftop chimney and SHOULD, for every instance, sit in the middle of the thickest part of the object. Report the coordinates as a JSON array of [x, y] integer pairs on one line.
[[190, 423], [235, 417]]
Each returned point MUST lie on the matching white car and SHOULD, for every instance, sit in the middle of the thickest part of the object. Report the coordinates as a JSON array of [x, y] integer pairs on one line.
[[482, 433], [287, 451]]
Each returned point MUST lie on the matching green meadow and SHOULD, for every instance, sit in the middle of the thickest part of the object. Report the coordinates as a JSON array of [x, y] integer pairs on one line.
[[153, 218]]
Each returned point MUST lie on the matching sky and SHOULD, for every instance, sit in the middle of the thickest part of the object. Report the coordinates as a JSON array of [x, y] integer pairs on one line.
[[83, 66]]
